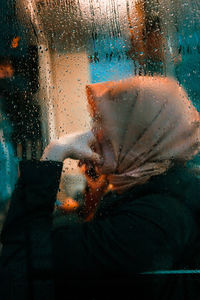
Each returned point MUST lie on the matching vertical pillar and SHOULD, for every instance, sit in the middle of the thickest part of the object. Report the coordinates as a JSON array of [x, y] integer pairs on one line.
[[47, 94]]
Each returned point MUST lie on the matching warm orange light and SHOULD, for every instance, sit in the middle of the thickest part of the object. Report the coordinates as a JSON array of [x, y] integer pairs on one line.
[[110, 187], [6, 70], [69, 205], [15, 42]]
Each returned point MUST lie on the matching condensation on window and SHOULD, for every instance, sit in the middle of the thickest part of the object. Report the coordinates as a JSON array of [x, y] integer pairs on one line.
[[50, 50]]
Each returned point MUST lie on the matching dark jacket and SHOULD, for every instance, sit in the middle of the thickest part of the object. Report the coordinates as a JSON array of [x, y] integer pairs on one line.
[[148, 228]]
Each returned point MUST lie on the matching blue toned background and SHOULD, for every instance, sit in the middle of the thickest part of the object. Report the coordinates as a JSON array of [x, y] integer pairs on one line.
[[110, 60], [8, 162]]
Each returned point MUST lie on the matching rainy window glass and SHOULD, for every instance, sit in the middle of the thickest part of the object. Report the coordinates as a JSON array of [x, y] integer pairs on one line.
[[51, 50]]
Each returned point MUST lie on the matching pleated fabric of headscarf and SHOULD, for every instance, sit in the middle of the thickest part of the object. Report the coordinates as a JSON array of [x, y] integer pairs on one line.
[[143, 125]]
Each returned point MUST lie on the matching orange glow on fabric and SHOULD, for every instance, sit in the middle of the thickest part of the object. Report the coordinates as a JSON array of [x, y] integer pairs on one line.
[[15, 42], [69, 205], [96, 189]]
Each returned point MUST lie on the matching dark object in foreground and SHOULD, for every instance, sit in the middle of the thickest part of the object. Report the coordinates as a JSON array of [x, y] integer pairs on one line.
[[150, 227]]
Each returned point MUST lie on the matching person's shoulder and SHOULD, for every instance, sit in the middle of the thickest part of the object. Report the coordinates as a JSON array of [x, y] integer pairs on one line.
[[179, 182], [174, 193], [178, 187]]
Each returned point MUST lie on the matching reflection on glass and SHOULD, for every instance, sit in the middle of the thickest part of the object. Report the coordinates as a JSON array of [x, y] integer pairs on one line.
[[69, 43]]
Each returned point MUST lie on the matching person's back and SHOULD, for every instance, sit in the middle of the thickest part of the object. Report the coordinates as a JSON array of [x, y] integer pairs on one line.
[[167, 213]]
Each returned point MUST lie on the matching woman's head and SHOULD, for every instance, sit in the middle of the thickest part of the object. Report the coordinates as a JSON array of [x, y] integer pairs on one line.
[[142, 124]]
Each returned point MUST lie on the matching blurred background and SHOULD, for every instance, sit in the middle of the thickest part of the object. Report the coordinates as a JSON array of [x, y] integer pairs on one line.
[[50, 50]]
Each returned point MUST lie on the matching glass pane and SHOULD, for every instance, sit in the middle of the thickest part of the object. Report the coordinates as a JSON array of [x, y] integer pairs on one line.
[[52, 49], [81, 42]]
